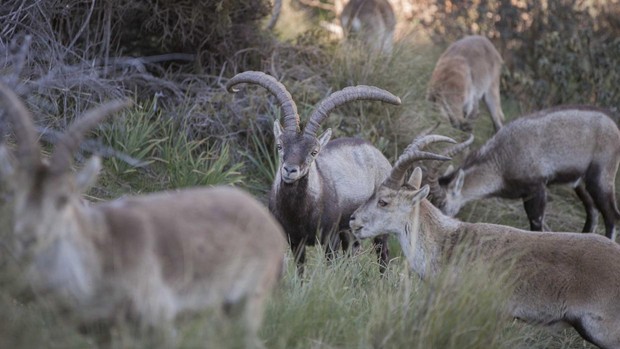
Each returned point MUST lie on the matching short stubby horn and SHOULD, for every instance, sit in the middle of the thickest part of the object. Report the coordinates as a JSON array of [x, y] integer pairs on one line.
[[285, 100], [352, 93], [28, 149], [410, 155], [71, 139]]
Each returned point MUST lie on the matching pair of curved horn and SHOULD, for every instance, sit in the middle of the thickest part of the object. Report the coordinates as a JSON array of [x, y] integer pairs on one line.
[[412, 154], [28, 149], [291, 117], [71, 139]]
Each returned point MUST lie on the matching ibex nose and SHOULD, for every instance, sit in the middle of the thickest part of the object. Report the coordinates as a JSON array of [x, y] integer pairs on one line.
[[290, 173], [289, 170]]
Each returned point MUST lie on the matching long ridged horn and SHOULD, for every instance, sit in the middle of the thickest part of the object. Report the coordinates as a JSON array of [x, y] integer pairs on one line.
[[285, 100], [352, 93], [458, 148], [71, 139], [412, 154], [28, 149], [437, 193]]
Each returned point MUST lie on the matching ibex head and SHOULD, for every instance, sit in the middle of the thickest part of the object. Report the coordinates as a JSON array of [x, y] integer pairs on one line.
[[393, 198], [46, 192], [297, 150], [446, 191]]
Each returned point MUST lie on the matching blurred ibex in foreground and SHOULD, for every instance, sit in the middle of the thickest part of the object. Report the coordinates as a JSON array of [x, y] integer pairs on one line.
[[571, 144], [320, 183], [559, 279], [371, 22], [466, 72], [147, 257]]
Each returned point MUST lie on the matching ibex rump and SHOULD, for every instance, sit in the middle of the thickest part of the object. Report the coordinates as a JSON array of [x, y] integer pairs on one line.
[[370, 21], [466, 72]]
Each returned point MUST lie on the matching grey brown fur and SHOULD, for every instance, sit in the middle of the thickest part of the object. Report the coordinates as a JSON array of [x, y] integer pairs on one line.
[[466, 72], [578, 145], [319, 183], [560, 278], [370, 21], [149, 257]]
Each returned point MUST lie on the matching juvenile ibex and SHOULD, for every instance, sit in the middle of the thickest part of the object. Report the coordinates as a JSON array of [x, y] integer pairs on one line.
[[320, 183], [147, 257], [569, 144], [559, 278], [372, 22], [468, 70]]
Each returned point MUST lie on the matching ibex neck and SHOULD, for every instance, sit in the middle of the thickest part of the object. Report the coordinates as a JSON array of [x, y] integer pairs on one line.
[[68, 265], [480, 182], [423, 239]]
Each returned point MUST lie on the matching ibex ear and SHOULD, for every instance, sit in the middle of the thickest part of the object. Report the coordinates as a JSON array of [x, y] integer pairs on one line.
[[277, 129], [416, 178], [7, 164], [421, 194], [457, 183], [324, 138], [87, 176]]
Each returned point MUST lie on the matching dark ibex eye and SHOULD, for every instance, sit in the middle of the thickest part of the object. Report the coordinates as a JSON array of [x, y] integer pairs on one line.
[[314, 152], [382, 203]]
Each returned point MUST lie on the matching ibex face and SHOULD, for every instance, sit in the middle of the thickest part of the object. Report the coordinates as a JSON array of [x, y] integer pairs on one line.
[[45, 202], [392, 204], [387, 211], [453, 200], [297, 152]]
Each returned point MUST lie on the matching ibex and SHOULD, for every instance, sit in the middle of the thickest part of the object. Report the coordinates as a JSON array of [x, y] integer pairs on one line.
[[372, 22], [569, 144], [320, 183], [559, 278], [147, 257], [466, 72]]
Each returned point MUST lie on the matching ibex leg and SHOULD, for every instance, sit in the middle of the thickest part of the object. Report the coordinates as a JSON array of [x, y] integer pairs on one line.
[[535, 209]]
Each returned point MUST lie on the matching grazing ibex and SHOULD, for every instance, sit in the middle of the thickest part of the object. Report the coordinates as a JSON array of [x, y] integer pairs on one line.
[[320, 183], [570, 144], [372, 22], [468, 70], [559, 278], [148, 257]]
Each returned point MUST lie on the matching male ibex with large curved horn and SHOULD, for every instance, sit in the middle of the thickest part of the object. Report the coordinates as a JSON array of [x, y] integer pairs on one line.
[[559, 279], [320, 183], [150, 256]]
